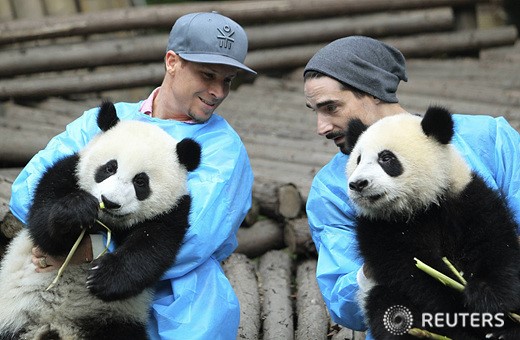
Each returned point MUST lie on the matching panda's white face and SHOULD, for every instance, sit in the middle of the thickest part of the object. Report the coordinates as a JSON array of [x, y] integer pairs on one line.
[[133, 168], [395, 169]]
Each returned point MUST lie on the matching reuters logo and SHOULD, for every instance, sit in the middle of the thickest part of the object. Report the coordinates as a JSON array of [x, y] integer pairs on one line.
[[398, 320]]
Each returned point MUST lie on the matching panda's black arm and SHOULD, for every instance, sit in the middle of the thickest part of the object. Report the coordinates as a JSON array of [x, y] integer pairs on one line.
[[490, 246], [60, 208], [142, 257]]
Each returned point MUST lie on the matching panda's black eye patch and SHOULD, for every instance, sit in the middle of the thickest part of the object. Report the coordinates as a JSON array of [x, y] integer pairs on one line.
[[106, 170], [390, 164], [142, 186]]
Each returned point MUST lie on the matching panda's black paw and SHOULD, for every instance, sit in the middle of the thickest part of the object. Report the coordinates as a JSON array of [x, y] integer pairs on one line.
[[72, 213], [109, 280], [481, 297]]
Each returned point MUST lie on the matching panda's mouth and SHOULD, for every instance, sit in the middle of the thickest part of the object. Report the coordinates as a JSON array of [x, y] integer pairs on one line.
[[368, 199], [115, 213], [374, 198]]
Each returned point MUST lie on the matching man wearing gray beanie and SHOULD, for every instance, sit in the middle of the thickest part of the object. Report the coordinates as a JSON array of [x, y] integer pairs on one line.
[[357, 78], [194, 299]]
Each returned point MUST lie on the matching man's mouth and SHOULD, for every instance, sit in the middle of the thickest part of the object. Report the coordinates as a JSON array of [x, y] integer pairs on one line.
[[339, 140], [209, 103]]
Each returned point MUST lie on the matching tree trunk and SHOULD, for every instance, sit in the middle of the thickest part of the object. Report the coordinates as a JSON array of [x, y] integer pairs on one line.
[[258, 239], [313, 320], [297, 237], [163, 16], [59, 57], [241, 273], [278, 200], [275, 283]]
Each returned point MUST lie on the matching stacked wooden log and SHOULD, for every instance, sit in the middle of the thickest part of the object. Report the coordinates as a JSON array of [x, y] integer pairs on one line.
[[36, 61], [280, 299]]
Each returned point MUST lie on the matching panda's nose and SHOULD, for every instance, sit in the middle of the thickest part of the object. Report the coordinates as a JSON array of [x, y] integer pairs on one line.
[[358, 185], [109, 204]]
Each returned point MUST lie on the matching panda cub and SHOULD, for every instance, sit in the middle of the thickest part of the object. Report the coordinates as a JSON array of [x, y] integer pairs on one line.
[[139, 173], [416, 197]]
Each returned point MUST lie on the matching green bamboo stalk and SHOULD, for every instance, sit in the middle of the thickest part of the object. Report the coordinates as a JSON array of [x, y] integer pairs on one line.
[[446, 280], [424, 334], [67, 259], [455, 271], [75, 247]]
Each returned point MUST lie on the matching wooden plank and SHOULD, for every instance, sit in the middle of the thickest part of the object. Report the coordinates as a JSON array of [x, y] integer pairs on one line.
[[162, 16], [313, 319], [70, 84], [467, 90], [6, 11], [260, 60], [510, 112], [275, 285], [436, 44], [28, 9], [60, 7], [125, 50], [241, 273], [373, 25], [17, 146]]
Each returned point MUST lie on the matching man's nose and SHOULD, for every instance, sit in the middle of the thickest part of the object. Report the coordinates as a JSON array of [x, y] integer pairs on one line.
[[323, 126], [218, 90]]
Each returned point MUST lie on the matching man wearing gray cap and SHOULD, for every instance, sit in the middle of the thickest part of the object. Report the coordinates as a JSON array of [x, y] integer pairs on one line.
[[194, 299], [358, 77]]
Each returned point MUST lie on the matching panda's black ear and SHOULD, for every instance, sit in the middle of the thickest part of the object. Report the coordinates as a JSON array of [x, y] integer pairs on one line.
[[355, 128], [107, 116], [437, 123], [188, 152]]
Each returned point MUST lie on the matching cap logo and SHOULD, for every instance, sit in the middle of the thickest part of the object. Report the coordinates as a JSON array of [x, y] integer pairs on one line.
[[225, 37]]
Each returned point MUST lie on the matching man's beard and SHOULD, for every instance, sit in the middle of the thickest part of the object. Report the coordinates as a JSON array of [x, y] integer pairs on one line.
[[355, 128]]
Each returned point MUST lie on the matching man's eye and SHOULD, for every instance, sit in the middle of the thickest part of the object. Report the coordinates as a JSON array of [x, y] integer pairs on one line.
[[208, 75], [330, 108]]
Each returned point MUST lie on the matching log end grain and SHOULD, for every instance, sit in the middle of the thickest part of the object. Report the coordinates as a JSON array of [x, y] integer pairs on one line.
[[291, 201]]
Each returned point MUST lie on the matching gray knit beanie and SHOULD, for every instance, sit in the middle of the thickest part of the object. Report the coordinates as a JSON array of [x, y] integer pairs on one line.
[[367, 64]]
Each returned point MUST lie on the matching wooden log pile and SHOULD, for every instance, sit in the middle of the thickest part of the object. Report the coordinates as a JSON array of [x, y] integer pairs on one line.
[[104, 50]]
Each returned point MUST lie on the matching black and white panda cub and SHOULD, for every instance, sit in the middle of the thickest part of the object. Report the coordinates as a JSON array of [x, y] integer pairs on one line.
[[417, 198], [139, 172]]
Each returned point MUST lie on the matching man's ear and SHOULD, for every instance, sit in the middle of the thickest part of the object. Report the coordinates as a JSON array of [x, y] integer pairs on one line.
[[171, 59]]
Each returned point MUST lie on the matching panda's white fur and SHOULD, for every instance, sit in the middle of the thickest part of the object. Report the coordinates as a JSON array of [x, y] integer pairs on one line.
[[140, 147], [431, 170], [109, 298], [27, 305], [417, 198]]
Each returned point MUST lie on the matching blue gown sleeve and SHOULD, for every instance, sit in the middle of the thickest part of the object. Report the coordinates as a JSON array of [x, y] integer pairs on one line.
[[507, 164], [492, 148], [75, 136], [331, 221]]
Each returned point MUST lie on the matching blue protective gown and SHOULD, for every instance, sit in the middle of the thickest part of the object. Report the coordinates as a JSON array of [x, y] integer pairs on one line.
[[491, 147], [194, 299]]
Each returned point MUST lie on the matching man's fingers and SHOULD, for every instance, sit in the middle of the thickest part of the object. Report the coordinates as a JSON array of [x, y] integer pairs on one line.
[[36, 251]]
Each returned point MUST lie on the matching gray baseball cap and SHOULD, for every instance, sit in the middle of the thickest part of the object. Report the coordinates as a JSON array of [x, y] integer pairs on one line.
[[209, 38], [367, 64]]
